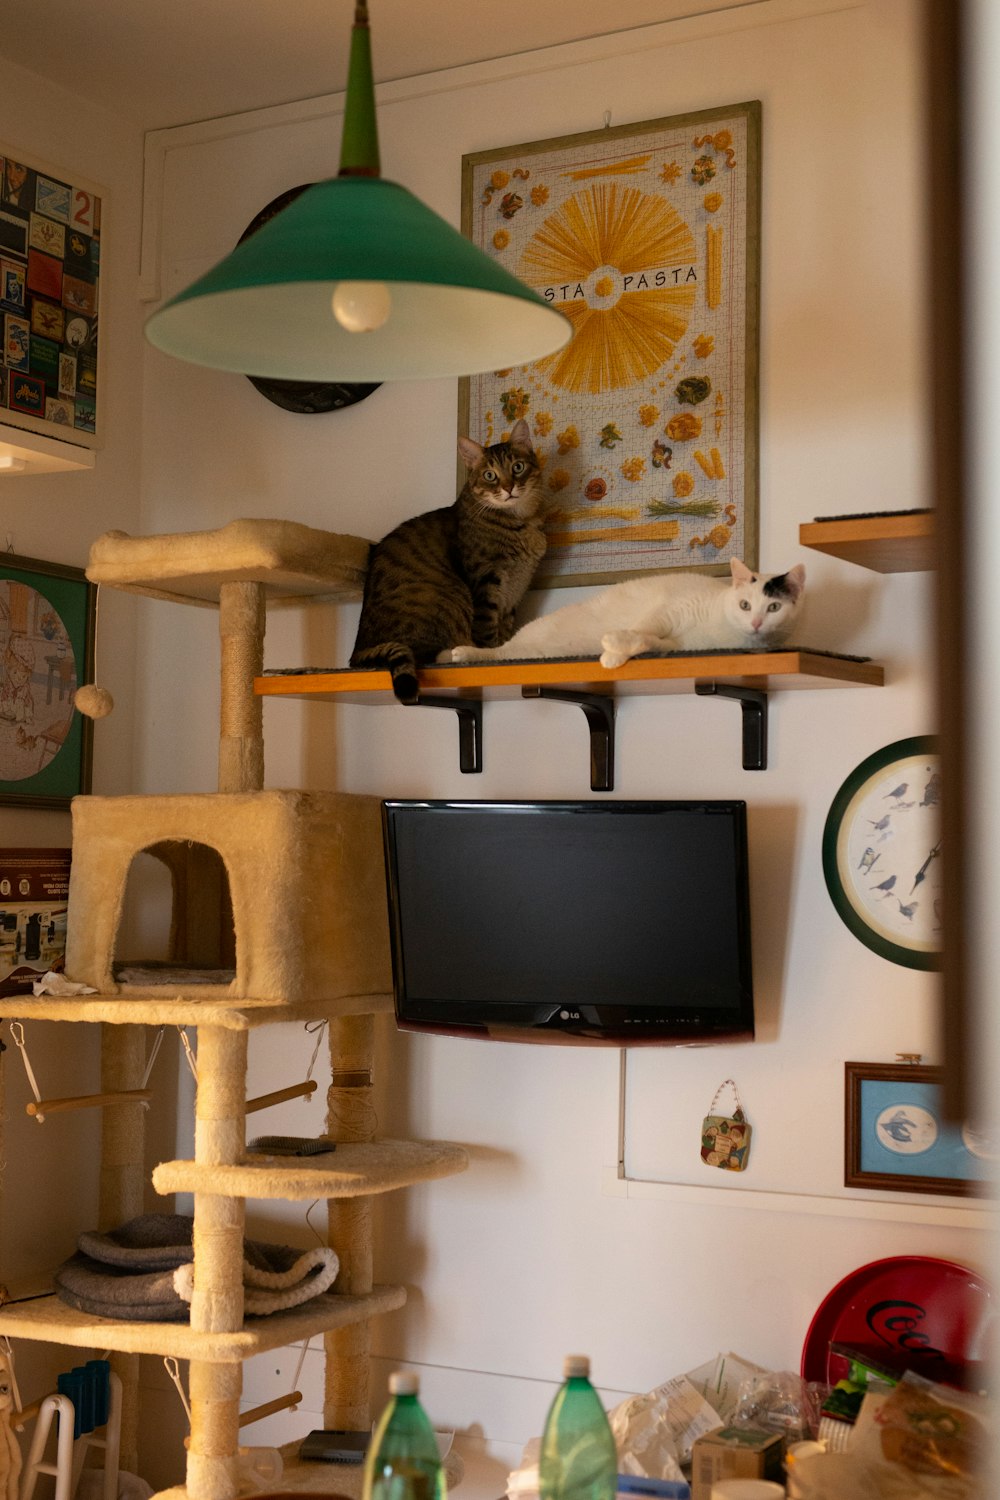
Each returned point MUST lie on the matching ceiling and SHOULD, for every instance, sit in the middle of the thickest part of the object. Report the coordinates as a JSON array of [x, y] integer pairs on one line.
[[171, 63]]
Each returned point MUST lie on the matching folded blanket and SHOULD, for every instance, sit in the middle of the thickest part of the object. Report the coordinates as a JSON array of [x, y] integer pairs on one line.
[[144, 1272]]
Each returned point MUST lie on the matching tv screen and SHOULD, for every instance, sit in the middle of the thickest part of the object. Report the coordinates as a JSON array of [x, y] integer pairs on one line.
[[620, 922]]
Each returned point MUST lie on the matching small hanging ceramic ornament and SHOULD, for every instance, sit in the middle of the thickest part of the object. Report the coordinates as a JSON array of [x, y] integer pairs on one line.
[[725, 1139]]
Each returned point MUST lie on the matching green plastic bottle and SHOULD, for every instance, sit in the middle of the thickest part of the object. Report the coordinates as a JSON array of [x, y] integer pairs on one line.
[[403, 1461], [578, 1460]]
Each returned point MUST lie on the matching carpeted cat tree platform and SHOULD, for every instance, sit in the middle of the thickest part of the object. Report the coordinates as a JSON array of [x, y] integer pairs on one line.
[[278, 905]]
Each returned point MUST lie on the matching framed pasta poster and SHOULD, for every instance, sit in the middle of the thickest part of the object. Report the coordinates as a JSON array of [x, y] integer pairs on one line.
[[47, 623], [647, 237], [50, 278]]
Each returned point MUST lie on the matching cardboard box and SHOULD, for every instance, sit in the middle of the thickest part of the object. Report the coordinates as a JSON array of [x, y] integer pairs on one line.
[[34, 887], [735, 1453]]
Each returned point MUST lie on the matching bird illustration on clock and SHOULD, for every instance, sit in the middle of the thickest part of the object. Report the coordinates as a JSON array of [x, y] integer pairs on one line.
[[882, 852]]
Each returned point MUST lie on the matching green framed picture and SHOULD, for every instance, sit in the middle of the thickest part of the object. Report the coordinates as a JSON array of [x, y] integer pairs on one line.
[[47, 617], [882, 852]]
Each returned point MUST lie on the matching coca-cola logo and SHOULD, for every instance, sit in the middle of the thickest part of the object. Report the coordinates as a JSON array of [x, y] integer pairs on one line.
[[897, 1324]]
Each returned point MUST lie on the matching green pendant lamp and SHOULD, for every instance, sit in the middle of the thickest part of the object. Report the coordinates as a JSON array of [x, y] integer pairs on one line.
[[356, 280]]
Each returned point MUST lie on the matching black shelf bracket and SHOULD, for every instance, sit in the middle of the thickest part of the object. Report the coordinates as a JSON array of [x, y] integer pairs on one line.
[[600, 713], [470, 728], [753, 704]]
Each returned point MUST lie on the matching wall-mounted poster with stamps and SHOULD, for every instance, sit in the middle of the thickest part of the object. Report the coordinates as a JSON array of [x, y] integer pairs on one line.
[[647, 237], [50, 276]]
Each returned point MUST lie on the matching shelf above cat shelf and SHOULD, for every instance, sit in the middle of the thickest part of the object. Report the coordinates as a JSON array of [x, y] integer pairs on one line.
[[746, 676], [887, 542]]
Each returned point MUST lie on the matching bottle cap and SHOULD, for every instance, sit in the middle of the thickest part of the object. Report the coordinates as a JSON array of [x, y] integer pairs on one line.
[[404, 1383], [576, 1366]]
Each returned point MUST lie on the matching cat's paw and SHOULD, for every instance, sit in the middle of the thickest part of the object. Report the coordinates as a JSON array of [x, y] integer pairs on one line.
[[446, 654], [464, 653], [617, 647]]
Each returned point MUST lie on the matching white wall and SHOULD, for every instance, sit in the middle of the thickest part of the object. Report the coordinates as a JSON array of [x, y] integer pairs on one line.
[[530, 1254], [48, 1173]]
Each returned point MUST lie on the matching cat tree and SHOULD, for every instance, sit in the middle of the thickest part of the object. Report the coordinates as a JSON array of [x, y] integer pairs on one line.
[[279, 914]]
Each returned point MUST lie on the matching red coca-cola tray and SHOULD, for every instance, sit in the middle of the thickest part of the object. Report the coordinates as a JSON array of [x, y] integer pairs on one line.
[[933, 1313]]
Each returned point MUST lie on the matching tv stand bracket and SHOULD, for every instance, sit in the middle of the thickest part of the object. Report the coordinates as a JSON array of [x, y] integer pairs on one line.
[[470, 728], [753, 703], [600, 712]]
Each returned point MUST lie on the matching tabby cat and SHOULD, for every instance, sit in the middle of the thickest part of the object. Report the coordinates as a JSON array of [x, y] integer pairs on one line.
[[663, 612], [455, 576]]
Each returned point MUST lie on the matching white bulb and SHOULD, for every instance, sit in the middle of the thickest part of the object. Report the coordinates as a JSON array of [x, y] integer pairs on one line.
[[361, 306]]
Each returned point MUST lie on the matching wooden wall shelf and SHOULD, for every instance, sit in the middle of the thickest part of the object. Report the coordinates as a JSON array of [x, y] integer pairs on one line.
[[901, 543], [745, 676]]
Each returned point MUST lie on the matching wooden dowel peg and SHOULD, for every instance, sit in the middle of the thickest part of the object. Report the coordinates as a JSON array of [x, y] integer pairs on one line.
[[280, 1403], [42, 1107], [294, 1091]]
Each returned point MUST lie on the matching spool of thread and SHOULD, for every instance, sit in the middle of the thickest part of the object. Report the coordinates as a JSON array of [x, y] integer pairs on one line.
[[747, 1489]]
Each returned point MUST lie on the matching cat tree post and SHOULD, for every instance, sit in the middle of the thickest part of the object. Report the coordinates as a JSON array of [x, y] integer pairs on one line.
[[220, 1111], [122, 1190], [217, 1298], [350, 1117], [241, 732]]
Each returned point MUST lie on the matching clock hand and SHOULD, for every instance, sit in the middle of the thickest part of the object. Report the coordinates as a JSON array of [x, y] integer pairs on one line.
[[922, 872]]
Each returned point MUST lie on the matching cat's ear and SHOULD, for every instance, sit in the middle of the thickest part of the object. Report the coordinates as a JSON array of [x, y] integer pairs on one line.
[[470, 451], [795, 581], [741, 573], [520, 434]]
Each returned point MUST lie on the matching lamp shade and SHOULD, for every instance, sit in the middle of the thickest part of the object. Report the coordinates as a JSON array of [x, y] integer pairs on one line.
[[266, 309]]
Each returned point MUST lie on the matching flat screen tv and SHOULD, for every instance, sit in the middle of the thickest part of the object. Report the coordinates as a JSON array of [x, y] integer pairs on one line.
[[605, 922]]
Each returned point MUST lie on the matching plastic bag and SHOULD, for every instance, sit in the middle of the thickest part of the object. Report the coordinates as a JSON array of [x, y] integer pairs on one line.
[[920, 1442], [780, 1401], [720, 1380], [654, 1432], [936, 1439]]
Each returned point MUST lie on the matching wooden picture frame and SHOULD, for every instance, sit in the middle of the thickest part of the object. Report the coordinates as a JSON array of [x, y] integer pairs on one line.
[[647, 236], [51, 376], [47, 626], [897, 1139]]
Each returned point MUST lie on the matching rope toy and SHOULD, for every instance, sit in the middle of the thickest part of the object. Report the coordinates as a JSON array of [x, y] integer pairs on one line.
[[10, 1453], [93, 701]]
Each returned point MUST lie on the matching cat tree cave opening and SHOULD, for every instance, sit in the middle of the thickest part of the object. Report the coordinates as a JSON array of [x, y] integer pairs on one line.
[[177, 918]]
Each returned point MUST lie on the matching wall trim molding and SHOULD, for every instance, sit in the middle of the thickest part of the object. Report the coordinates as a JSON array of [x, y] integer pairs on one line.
[[556, 58]]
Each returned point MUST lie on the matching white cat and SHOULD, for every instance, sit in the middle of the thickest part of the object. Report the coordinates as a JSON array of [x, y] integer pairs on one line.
[[664, 612]]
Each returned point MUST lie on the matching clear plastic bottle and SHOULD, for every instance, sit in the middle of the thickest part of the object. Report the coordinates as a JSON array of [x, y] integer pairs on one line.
[[404, 1461], [578, 1460]]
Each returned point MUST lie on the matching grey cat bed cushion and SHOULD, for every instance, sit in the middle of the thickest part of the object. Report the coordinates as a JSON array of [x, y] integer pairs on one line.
[[143, 1271]]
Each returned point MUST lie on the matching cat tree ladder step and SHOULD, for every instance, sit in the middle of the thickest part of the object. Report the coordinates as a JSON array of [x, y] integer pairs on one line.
[[753, 704]]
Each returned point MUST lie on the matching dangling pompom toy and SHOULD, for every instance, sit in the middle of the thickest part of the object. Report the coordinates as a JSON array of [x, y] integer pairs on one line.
[[96, 702]]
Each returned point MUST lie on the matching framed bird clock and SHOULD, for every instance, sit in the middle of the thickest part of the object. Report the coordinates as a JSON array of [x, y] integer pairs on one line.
[[882, 852]]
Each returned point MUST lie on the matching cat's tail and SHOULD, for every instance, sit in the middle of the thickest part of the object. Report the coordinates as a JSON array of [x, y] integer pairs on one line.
[[396, 658]]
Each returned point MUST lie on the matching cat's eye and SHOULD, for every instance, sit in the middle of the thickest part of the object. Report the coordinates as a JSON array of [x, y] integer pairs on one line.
[[518, 467], [489, 475], [772, 608], [744, 604]]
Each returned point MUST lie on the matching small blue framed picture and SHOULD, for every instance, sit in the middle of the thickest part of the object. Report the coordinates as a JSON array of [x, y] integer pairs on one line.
[[897, 1139]]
